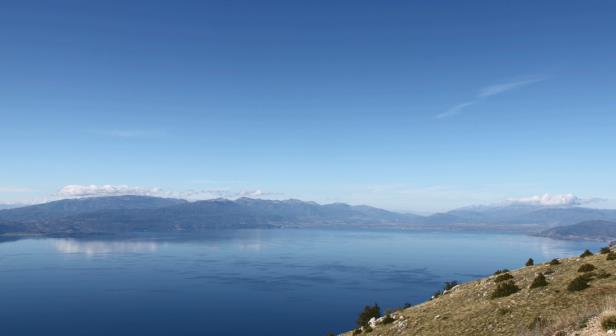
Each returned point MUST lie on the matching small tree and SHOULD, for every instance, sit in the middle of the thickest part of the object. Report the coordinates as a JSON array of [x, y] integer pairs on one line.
[[578, 284], [554, 262], [530, 262], [586, 253], [586, 268], [539, 281], [368, 313], [503, 277], [505, 289]]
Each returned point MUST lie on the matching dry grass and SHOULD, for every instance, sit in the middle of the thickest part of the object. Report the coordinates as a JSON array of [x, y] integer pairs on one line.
[[469, 309]]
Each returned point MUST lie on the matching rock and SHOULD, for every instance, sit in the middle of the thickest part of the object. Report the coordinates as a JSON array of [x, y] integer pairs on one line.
[[437, 317], [611, 331], [372, 322]]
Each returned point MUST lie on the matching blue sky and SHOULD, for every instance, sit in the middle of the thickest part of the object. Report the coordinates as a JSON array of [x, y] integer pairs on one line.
[[407, 105]]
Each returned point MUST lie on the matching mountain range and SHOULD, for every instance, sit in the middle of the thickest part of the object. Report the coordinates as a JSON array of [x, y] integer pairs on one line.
[[120, 214]]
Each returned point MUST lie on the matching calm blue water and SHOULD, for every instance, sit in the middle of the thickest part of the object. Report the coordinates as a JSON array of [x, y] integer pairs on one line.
[[269, 282]]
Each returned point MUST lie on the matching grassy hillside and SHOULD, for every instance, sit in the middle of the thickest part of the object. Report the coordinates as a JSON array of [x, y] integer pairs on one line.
[[553, 309]]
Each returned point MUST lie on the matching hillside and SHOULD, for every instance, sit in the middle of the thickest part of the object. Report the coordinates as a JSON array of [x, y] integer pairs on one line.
[[597, 229], [468, 309], [122, 214]]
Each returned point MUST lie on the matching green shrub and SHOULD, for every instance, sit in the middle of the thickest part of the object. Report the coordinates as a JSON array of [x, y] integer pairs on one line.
[[585, 254], [554, 262], [586, 268], [500, 271], [605, 250], [530, 262], [578, 284], [539, 281], [503, 311], [357, 331], [449, 285], [608, 320], [505, 289], [602, 274], [388, 319], [611, 256], [368, 313], [503, 277], [367, 329]]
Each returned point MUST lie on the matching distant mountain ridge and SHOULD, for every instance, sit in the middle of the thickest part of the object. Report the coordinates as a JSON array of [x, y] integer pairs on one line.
[[150, 214], [118, 214]]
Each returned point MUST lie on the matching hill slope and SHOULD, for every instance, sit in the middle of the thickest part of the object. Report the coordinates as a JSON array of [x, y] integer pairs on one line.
[[597, 229], [468, 309], [150, 214]]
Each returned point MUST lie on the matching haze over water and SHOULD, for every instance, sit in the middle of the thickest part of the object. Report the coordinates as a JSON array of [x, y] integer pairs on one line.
[[276, 282]]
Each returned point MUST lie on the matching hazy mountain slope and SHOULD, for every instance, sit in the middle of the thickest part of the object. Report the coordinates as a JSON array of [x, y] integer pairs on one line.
[[141, 213], [70, 207], [130, 214], [517, 214], [468, 309], [597, 229]]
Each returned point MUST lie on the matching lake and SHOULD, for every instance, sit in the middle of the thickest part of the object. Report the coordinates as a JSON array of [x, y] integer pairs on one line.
[[265, 282]]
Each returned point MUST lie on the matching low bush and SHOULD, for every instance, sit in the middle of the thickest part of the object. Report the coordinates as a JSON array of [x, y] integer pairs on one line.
[[367, 329], [539, 281], [608, 320], [503, 311], [500, 271], [530, 262], [578, 284], [357, 331], [554, 262], [602, 274], [503, 277], [605, 250], [388, 319], [611, 256], [368, 313], [449, 285], [407, 305], [586, 253], [505, 289], [586, 268]]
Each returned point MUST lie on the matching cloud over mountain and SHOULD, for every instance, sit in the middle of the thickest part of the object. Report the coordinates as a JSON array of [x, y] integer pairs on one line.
[[93, 190], [553, 200]]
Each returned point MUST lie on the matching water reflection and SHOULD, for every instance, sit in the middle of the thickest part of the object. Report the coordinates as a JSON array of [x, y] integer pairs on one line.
[[102, 247]]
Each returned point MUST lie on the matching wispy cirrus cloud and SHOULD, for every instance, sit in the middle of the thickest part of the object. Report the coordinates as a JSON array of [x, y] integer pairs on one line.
[[495, 89], [489, 91], [455, 109]]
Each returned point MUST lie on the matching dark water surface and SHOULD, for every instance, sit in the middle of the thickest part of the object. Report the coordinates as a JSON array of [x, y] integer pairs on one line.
[[263, 282]]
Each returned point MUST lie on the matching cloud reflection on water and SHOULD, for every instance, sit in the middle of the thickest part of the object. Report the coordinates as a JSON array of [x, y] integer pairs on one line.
[[103, 247]]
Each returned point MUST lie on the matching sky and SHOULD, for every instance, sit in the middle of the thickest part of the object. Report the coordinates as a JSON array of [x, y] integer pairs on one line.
[[415, 106]]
